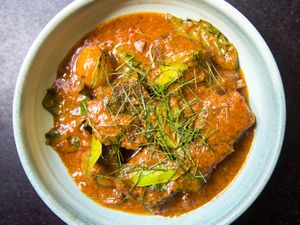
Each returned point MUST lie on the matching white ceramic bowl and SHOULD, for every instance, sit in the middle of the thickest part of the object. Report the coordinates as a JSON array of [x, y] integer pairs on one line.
[[48, 175]]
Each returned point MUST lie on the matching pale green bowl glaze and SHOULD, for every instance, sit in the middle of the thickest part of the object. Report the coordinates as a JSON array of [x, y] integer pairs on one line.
[[47, 173]]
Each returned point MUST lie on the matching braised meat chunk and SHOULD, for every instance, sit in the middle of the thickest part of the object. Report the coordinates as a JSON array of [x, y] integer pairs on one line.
[[195, 163]]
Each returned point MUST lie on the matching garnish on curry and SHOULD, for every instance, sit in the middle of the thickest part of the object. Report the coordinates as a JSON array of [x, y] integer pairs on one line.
[[146, 108]]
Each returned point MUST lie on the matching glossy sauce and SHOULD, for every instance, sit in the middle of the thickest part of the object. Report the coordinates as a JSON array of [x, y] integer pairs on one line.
[[127, 32]]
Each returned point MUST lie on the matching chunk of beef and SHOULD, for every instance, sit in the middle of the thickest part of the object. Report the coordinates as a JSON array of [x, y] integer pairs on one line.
[[226, 118], [155, 198], [116, 114]]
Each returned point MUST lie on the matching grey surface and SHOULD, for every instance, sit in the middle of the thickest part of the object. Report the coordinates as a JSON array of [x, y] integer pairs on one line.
[[279, 23]]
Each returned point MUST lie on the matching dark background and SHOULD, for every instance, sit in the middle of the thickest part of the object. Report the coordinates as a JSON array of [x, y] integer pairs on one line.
[[278, 21]]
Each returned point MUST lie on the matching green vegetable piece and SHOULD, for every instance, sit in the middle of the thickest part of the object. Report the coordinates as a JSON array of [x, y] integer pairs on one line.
[[170, 73], [93, 156], [216, 42], [132, 63], [51, 136], [179, 24], [151, 177], [75, 141], [83, 106], [51, 102], [184, 57]]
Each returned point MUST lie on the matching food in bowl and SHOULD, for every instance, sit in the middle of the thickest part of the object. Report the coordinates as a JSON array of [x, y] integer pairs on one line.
[[150, 114]]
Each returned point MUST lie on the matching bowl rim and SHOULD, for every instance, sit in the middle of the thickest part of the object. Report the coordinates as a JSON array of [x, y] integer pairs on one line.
[[20, 141]]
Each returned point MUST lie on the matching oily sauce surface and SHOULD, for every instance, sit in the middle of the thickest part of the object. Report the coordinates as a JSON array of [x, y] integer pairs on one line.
[[219, 180], [138, 34]]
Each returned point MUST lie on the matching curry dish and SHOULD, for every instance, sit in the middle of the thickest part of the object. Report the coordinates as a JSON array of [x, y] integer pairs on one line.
[[146, 108]]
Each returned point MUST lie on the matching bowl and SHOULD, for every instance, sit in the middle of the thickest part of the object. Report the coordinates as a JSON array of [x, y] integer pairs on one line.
[[49, 176]]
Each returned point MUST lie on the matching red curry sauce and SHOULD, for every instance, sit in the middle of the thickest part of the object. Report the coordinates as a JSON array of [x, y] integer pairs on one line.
[[155, 41]]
